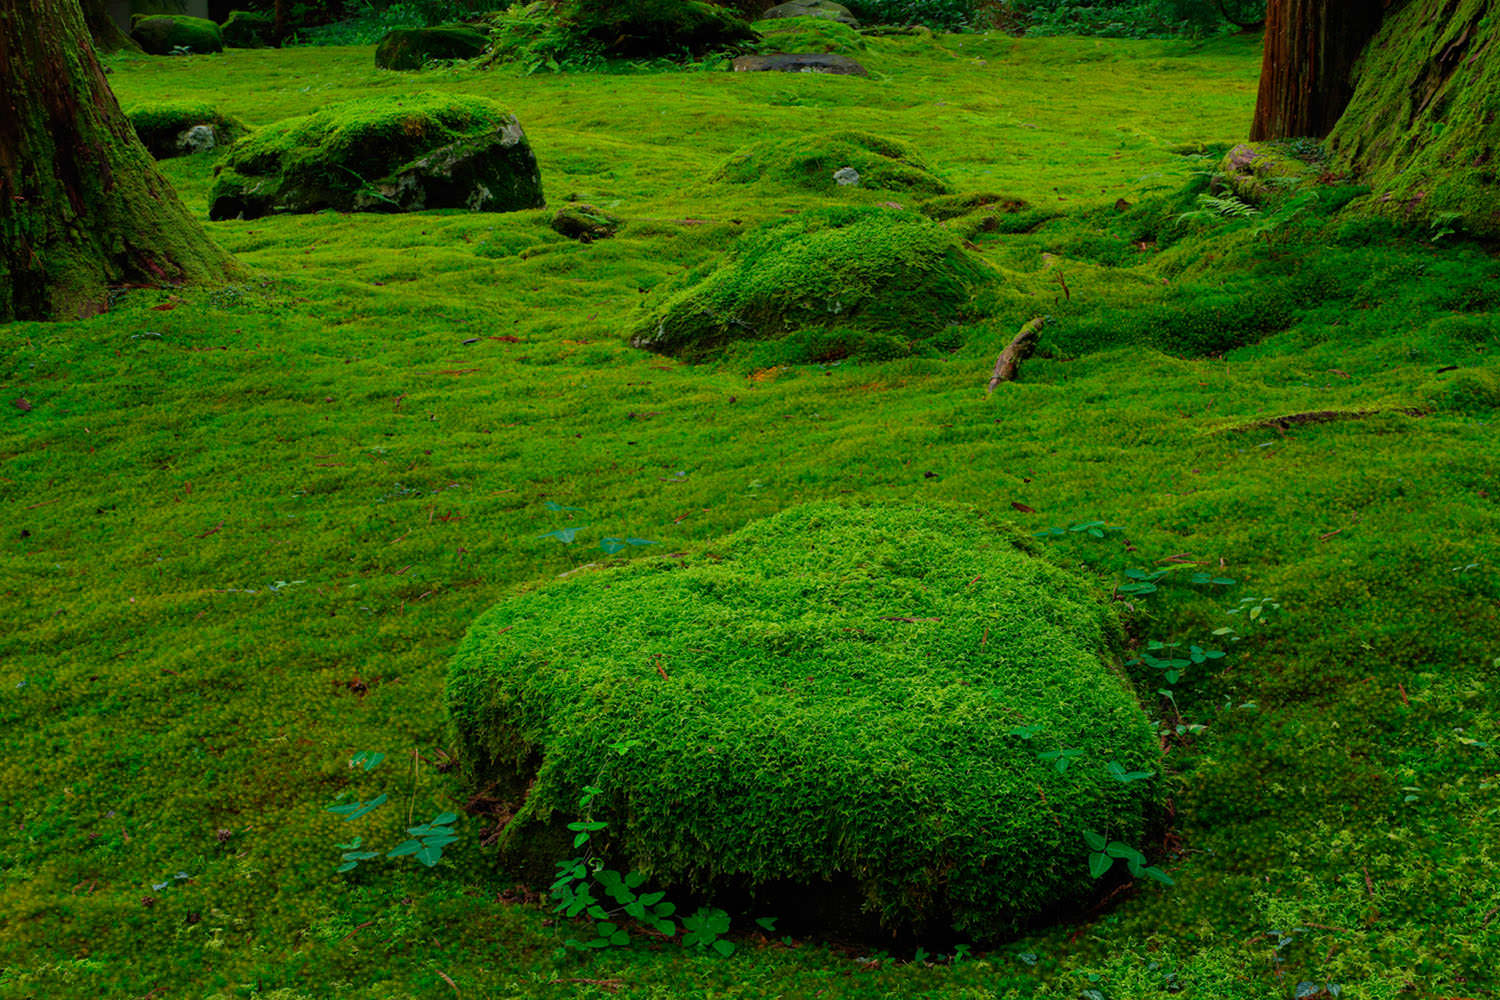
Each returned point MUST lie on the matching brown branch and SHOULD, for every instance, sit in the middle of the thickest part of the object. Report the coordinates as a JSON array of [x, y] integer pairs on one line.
[[1008, 365], [1290, 420]]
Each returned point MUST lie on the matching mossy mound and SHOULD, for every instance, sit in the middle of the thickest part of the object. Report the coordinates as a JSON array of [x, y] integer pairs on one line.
[[810, 162], [248, 29], [825, 10], [181, 128], [1423, 126], [808, 34], [383, 154], [1262, 172], [585, 223], [171, 34], [584, 34], [874, 271], [413, 48], [871, 695]]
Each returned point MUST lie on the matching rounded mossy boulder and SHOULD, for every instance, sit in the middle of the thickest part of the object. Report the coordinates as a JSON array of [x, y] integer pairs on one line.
[[383, 154], [181, 128], [872, 700], [1262, 172], [820, 163], [413, 48], [171, 34], [888, 276], [825, 10], [808, 34], [248, 29]]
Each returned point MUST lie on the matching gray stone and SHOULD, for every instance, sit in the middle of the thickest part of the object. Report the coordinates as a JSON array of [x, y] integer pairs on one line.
[[197, 139], [813, 8], [846, 177], [815, 62]]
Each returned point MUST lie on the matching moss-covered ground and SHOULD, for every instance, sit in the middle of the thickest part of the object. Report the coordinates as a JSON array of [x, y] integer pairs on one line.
[[245, 530]]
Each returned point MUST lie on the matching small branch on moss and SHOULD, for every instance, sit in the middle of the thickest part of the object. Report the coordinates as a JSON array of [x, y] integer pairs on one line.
[[1008, 365], [1290, 420]]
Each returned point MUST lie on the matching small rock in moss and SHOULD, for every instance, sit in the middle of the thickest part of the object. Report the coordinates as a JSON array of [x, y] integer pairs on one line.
[[181, 128], [1259, 172], [810, 162], [585, 223], [815, 62], [171, 34]]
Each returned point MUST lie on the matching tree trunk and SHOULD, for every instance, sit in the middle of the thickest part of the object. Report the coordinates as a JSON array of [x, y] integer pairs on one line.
[[1305, 77], [107, 35], [82, 206], [1423, 127]]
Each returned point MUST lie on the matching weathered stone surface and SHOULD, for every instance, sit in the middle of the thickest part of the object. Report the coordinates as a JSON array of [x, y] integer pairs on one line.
[[387, 154], [413, 48], [181, 128], [1256, 172], [818, 62], [168, 34], [813, 8], [585, 223]]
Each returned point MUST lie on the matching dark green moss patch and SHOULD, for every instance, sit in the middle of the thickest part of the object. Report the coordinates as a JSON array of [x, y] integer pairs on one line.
[[836, 692], [169, 34], [881, 271], [248, 29], [180, 128], [380, 155], [414, 48], [811, 162]]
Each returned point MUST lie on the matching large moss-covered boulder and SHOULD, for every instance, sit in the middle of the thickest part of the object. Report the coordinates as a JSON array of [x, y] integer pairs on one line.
[[182, 128], [413, 48], [884, 279], [1423, 126], [247, 29], [825, 10], [636, 29], [383, 154], [814, 162], [172, 34], [839, 697]]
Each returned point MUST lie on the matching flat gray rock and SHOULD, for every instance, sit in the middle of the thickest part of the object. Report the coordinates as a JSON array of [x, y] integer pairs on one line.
[[814, 62]]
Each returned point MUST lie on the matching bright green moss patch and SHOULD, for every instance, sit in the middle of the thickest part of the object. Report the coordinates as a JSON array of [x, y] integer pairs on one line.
[[383, 154], [179, 128], [808, 34], [414, 48], [822, 163], [170, 34], [836, 692], [880, 271]]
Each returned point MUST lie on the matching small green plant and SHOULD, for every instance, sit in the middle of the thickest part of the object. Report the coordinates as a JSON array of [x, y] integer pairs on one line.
[[566, 535], [1168, 658], [1105, 852], [1093, 529], [425, 842]]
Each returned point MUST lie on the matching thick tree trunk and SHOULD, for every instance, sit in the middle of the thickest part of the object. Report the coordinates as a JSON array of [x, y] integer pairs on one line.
[[1310, 50], [1423, 127], [107, 35], [82, 206]]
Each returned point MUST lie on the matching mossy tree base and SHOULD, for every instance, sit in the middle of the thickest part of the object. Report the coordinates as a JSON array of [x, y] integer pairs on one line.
[[82, 205]]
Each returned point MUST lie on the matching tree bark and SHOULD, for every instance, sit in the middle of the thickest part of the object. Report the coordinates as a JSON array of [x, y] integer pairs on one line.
[[1306, 72], [107, 35], [83, 207]]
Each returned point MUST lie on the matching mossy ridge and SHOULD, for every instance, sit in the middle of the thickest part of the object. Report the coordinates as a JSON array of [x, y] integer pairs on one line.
[[841, 686], [810, 162], [1423, 126], [808, 34], [159, 123], [876, 270]]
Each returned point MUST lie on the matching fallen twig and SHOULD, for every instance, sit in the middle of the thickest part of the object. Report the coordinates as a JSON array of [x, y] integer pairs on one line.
[[1008, 365]]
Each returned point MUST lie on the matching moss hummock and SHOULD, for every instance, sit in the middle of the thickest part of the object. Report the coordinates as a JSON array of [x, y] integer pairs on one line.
[[1423, 127], [808, 34], [414, 48], [166, 127], [383, 154], [811, 161], [837, 692], [170, 34], [247, 29], [889, 278]]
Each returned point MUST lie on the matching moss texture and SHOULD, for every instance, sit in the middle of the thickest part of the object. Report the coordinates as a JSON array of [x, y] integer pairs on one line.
[[1423, 127], [160, 125], [169, 34], [358, 156], [248, 29], [884, 272], [844, 687], [808, 34], [414, 48], [810, 162], [634, 29]]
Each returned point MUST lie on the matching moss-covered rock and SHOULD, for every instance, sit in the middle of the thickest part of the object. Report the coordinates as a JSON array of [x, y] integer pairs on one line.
[[1261, 172], [869, 695], [169, 34], [1423, 126], [808, 34], [879, 271], [823, 10], [585, 223], [248, 29], [636, 29], [810, 163], [383, 154], [181, 128], [413, 48]]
